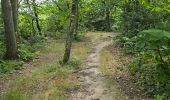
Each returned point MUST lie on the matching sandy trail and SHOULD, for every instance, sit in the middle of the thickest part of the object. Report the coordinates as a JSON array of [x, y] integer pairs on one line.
[[93, 84]]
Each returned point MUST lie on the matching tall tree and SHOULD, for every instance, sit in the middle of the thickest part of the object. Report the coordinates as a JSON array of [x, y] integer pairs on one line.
[[108, 19], [14, 5], [77, 21], [107, 14], [10, 39], [36, 17], [70, 31]]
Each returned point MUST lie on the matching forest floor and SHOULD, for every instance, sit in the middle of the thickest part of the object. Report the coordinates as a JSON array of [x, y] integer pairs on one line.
[[101, 74], [94, 84]]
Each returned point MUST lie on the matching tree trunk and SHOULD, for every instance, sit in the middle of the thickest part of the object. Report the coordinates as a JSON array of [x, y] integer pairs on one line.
[[36, 17], [108, 19], [70, 32], [77, 21], [10, 39], [14, 5], [107, 14], [32, 24]]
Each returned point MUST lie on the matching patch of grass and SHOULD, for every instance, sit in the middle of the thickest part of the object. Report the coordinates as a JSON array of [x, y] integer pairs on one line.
[[51, 80], [80, 50], [15, 95], [56, 35], [106, 61], [73, 63], [53, 46], [95, 36], [114, 61]]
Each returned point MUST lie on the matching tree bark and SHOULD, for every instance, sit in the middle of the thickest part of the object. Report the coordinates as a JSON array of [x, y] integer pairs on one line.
[[33, 29], [10, 39], [70, 32], [14, 5], [77, 21], [107, 14], [36, 17], [108, 19], [107, 5]]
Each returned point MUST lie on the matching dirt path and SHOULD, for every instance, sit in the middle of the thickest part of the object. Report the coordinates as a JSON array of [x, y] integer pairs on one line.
[[93, 84]]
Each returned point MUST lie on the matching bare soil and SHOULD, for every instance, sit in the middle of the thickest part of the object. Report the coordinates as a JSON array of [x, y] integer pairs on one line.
[[93, 84]]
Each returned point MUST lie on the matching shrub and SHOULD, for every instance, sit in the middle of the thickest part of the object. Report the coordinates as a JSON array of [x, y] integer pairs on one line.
[[151, 67], [8, 66]]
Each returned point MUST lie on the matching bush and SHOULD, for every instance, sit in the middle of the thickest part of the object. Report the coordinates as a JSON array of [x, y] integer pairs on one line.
[[150, 74], [26, 52], [136, 18], [151, 66], [72, 63], [79, 36], [8, 66]]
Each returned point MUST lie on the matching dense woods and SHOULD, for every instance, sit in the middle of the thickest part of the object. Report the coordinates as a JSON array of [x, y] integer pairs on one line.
[[141, 29]]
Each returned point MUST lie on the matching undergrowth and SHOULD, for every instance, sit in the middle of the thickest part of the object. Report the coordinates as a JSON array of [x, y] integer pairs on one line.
[[50, 81], [27, 51], [151, 64]]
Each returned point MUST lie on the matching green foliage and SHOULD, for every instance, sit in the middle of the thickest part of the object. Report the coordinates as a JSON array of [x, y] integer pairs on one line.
[[2, 50], [72, 63], [159, 97], [28, 48], [146, 35], [8, 66], [159, 5], [25, 25], [127, 43], [145, 26], [156, 34], [152, 75], [56, 23], [79, 36], [26, 52], [155, 40], [151, 67], [136, 18]]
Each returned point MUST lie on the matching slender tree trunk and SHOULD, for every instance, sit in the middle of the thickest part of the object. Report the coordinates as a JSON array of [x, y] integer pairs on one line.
[[70, 32], [14, 5], [77, 21], [10, 39], [32, 24], [107, 14], [108, 19], [36, 17]]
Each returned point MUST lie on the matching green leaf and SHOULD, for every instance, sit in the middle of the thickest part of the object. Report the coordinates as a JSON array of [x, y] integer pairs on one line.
[[156, 34]]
